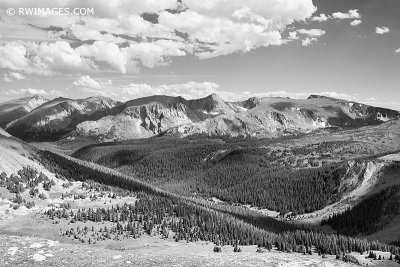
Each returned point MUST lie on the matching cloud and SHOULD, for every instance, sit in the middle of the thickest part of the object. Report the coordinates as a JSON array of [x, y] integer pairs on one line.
[[351, 14], [187, 90], [308, 41], [355, 22], [281, 11], [13, 76], [59, 57], [119, 38], [86, 81], [312, 32], [27, 91], [311, 36], [221, 36], [397, 51], [90, 86], [147, 54], [12, 56], [293, 36], [194, 90], [84, 33], [154, 54], [303, 95], [107, 52], [321, 18], [42, 58], [381, 30], [338, 95]]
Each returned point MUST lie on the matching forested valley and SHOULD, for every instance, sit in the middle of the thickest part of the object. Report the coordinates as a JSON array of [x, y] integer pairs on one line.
[[234, 173], [158, 210]]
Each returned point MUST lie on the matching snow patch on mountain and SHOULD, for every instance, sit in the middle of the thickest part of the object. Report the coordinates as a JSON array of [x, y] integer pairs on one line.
[[4, 133]]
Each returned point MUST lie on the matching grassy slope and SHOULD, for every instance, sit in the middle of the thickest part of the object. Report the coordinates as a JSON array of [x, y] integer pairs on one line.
[[146, 252]]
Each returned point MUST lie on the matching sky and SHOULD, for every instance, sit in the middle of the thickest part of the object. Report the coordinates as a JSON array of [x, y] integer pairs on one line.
[[125, 49]]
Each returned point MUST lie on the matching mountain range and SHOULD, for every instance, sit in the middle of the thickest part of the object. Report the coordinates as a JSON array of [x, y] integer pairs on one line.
[[38, 119]]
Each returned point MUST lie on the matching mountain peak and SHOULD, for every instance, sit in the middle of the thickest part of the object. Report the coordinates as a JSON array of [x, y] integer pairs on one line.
[[37, 97], [215, 97], [317, 96], [28, 98], [250, 103], [99, 98], [322, 97]]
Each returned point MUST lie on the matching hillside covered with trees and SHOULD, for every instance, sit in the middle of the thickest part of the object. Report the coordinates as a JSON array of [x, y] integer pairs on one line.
[[234, 173], [188, 220], [369, 216]]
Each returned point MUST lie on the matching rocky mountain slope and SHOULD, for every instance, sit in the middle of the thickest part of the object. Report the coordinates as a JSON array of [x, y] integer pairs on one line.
[[15, 109], [267, 117], [57, 117], [107, 120], [149, 116]]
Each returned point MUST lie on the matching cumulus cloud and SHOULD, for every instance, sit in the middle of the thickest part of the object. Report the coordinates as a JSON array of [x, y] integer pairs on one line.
[[397, 51], [119, 37], [26, 91], [148, 54], [194, 90], [282, 11], [321, 18], [351, 14], [12, 56], [107, 52], [155, 53], [310, 35], [355, 22], [86, 81], [293, 36], [125, 92], [222, 36], [87, 85], [312, 32], [13, 76], [302, 95], [188, 90], [308, 41], [59, 57], [381, 30], [42, 58]]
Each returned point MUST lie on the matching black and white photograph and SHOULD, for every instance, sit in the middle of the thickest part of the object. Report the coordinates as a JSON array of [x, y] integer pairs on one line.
[[200, 133]]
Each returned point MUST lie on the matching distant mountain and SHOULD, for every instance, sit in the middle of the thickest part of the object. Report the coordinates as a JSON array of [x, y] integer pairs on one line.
[[15, 109], [149, 116], [59, 116], [104, 119], [266, 117]]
